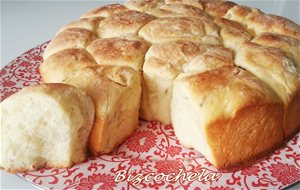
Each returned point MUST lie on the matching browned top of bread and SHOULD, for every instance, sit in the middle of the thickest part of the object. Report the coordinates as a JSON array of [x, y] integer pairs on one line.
[[105, 11], [272, 66], [119, 75], [265, 23], [122, 24], [211, 57], [232, 33], [181, 28], [69, 38], [119, 51], [64, 63], [177, 10], [166, 59], [218, 79]]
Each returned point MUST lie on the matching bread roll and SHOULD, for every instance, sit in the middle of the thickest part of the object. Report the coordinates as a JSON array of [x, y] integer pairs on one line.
[[211, 57], [265, 23], [69, 38], [144, 5], [273, 67], [181, 28], [105, 11], [163, 62], [287, 44], [116, 93], [239, 13], [228, 115], [119, 51], [232, 33], [123, 24], [259, 22], [45, 126], [64, 63], [194, 3], [106, 52]]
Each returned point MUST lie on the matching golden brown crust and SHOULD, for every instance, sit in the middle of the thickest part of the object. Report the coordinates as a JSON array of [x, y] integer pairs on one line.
[[194, 3], [69, 38], [242, 164], [105, 11], [178, 10], [255, 139], [217, 8], [119, 51], [181, 28], [144, 5], [292, 116], [122, 24], [257, 129]]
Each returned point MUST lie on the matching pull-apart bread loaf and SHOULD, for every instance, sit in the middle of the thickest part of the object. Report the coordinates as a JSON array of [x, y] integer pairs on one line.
[[45, 126], [175, 61], [179, 44]]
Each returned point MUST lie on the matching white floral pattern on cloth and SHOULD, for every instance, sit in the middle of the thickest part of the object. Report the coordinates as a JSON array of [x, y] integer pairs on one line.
[[152, 148]]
